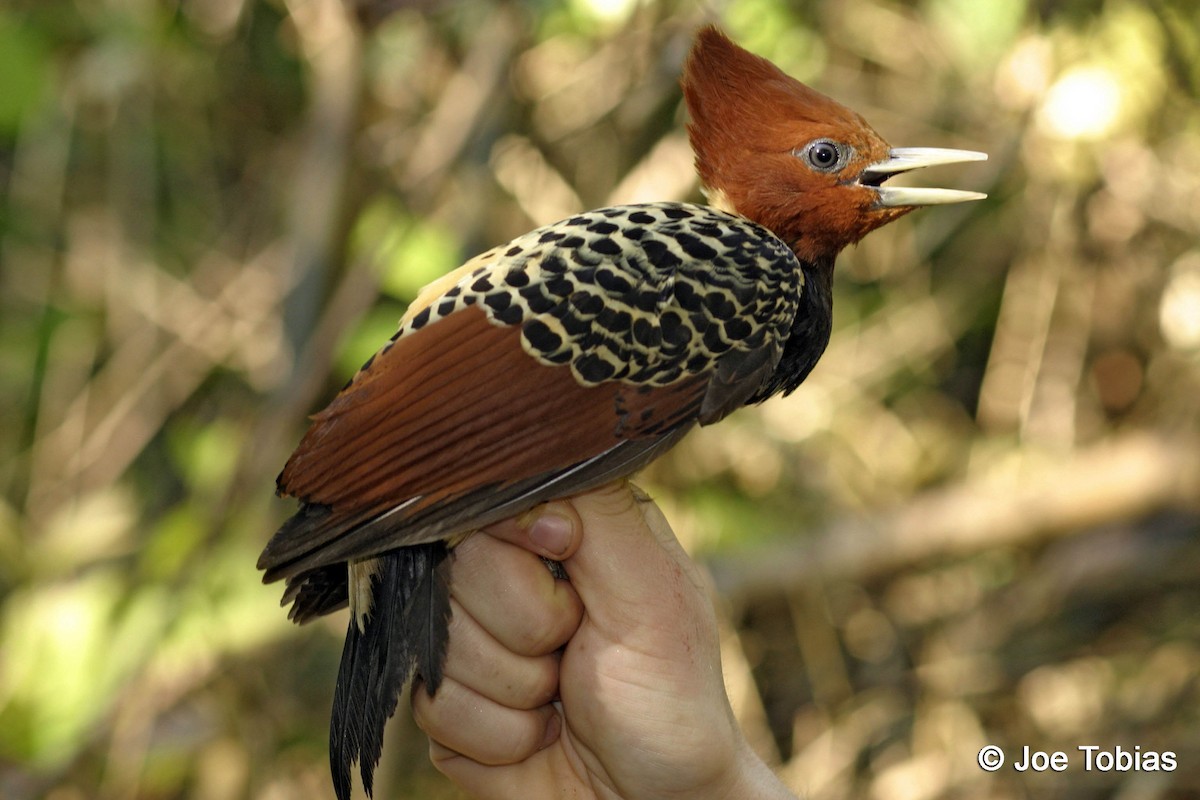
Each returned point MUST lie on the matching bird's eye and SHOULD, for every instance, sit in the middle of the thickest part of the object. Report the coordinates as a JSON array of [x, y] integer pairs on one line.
[[824, 155]]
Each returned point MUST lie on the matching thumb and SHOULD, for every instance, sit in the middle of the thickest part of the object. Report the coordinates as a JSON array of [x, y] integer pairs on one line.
[[630, 570]]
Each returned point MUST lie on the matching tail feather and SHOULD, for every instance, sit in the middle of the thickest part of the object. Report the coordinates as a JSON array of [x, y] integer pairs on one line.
[[317, 592], [428, 621], [405, 631]]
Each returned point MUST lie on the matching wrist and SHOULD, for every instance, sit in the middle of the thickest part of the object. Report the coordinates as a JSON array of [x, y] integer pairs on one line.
[[751, 778]]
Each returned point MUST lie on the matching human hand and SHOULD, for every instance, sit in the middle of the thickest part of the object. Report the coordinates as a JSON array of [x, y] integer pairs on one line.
[[641, 709]]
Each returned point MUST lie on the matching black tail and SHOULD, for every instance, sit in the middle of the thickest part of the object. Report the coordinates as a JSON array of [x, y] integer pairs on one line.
[[406, 630]]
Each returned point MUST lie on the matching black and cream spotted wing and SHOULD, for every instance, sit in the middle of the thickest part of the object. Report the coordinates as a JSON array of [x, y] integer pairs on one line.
[[539, 369]]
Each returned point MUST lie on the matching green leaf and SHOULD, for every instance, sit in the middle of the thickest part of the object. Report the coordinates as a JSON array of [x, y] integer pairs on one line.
[[24, 72]]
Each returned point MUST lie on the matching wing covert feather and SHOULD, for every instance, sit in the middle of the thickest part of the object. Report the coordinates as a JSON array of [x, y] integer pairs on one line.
[[544, 365]]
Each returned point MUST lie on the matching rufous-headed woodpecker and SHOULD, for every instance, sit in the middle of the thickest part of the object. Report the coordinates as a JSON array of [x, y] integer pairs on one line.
[[572, 356]]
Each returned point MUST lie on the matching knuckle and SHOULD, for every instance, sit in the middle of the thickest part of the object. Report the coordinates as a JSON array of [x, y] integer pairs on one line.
[[549, 626], [538, 683]]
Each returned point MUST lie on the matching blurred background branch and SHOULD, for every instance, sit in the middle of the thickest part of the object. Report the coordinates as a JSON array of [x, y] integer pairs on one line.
[[976, 522]]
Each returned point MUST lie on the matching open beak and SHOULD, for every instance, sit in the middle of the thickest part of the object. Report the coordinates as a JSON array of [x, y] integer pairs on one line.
[[903, 159]]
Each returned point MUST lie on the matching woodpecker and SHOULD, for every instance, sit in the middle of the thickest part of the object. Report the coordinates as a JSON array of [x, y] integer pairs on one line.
[[571, 356]]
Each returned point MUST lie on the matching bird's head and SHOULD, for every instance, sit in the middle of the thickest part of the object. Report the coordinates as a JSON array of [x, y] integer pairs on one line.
[[789, 158]]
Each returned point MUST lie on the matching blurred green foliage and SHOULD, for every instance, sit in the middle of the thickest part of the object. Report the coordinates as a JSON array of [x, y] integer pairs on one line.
[[975, 523]]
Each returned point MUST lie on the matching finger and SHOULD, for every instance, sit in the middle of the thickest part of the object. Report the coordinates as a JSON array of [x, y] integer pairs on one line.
[[512, 596], [545, 774], [551, 530], [480, 729], [476, 660]]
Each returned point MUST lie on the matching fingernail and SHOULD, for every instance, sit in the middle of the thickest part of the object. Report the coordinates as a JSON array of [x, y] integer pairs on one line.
[[553, 726], [552, 533]]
